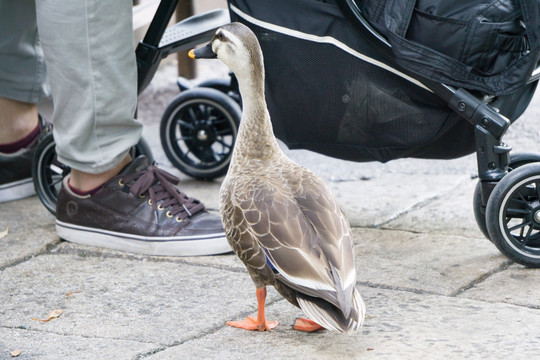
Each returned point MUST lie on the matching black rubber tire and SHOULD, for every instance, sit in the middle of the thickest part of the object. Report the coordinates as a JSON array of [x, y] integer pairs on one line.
[[516, 160], [142, 148], [198, 131], [48, 172], [479, 210], [513, 215]]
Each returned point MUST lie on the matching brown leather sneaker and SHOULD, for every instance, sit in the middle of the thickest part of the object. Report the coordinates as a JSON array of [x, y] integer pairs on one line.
[[141, 211], [16, 169]]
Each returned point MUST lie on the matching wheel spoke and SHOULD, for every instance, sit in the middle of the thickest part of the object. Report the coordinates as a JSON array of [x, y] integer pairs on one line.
[[192, 116], [219, 120], [221, 154], [517, 211], [208, 112], [522, 226], [56, 182], [185, 155], [224, 132], [228, 146], [527, 237], [183, 138], [186, 124], [523, 200]]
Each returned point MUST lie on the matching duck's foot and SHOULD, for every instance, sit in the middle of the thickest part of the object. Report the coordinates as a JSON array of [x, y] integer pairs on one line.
[[307, 325], [250, 323]]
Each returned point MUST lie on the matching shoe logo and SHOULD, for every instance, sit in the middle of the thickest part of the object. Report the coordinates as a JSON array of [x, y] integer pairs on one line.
[[72, 208]]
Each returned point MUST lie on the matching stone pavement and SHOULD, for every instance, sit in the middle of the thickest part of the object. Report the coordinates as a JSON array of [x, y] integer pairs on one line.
[[433, 286]]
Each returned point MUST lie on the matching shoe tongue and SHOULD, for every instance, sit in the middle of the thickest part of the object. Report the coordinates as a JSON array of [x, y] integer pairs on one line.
[[139, 164]]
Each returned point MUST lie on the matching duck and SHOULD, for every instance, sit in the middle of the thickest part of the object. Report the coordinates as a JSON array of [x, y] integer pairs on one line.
[[280, 218]]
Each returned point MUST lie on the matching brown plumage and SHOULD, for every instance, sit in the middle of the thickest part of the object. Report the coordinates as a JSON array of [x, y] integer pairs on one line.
[[279, 217]]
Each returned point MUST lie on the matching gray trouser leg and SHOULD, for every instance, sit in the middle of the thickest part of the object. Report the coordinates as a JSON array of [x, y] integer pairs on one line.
[[22, 66], [88, 46]]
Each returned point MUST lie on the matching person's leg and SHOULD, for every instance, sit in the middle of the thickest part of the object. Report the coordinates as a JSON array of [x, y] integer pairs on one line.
[[92, 70], [17, 120], [22, 86], [109, 200]]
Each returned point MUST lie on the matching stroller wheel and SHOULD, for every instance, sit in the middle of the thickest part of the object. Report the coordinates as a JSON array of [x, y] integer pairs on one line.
[[48, 172], [513, 215], [198, 130], [516, 160]]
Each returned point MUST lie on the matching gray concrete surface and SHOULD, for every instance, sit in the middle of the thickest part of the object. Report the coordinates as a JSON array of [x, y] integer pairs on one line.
[[433, 286]]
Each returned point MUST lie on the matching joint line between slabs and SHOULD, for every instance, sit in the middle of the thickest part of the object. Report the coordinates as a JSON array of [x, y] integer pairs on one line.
[[43, 251], [482, 278], [420, 204]]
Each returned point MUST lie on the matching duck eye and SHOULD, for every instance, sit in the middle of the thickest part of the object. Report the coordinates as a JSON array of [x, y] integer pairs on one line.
[[220, 36]]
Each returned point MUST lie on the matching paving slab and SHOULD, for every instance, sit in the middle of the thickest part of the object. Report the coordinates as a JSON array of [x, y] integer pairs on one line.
[[30, 229], [122, 299], [450, 213], [399, 325], [45, 345], [430, 263], [379, 200], [517, 285]]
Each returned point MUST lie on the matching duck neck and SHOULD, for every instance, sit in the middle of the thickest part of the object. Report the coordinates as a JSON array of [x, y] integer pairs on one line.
[[255, 134]]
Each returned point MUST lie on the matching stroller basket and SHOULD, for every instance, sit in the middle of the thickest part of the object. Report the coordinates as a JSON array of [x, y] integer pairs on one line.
[[330, 91]]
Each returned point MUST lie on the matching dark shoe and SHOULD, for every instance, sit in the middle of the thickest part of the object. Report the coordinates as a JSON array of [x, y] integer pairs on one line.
[[140, 211], [16, 169]]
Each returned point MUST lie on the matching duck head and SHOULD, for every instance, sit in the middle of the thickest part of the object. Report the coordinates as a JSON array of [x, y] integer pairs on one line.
[[236, 46]]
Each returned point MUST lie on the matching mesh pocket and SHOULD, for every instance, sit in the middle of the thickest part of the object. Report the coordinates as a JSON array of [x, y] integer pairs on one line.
[[324, 99]]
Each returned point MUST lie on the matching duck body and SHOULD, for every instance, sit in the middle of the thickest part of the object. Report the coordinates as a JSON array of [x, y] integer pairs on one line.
[[279, 217], [290, 233]]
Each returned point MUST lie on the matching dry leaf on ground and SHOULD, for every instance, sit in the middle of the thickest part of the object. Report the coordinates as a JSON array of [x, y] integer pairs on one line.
[[52, 315], [15, 353], [4, 233]]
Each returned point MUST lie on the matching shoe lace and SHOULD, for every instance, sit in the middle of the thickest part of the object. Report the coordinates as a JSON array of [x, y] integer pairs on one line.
[[160, 187]]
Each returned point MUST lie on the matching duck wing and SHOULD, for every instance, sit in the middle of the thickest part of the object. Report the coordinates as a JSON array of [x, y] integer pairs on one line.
[[243, 240]]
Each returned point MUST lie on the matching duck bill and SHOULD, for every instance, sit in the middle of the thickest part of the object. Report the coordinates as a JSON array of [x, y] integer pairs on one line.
[[204, 52]]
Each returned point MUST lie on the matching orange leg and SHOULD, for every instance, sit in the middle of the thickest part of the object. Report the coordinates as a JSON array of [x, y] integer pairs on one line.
[[260, 324], [302, 324]]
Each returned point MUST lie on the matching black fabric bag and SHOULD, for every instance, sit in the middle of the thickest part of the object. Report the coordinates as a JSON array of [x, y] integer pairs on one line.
[[486, 45]]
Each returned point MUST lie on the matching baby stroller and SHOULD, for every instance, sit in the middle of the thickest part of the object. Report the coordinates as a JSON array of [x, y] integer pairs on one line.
[[360, 80], [367, 80]]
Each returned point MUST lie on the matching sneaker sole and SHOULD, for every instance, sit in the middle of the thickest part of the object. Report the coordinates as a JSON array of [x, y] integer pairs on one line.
[[172, 246], [17, 190]]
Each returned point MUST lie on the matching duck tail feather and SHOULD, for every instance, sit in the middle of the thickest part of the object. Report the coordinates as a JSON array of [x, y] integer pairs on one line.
[[329, 316]]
